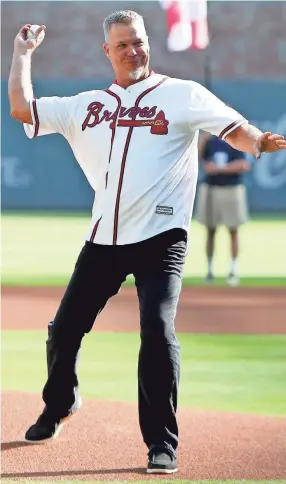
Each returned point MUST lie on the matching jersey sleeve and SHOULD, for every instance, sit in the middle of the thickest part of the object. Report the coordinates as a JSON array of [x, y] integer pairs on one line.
[[51, 115], [209, 113]]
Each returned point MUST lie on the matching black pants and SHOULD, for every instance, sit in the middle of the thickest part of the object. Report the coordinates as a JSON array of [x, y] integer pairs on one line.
[[157, 265]]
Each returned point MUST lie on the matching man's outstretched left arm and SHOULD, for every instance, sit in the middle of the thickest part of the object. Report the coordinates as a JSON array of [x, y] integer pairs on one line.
[[251, 140]]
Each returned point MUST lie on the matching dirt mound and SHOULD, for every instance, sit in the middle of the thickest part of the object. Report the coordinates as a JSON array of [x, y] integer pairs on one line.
[[102, 443]]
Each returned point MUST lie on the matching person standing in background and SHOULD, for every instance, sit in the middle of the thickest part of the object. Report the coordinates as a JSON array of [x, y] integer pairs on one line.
[[222, 197]]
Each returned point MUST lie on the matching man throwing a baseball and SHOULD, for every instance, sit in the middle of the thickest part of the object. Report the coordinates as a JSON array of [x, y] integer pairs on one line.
[[137, 145]]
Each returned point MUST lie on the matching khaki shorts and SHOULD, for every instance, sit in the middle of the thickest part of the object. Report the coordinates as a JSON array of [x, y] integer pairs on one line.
[[222, 206]]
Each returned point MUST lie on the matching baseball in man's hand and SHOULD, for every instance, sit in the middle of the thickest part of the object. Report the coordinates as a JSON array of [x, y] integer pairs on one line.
[[31, 33]]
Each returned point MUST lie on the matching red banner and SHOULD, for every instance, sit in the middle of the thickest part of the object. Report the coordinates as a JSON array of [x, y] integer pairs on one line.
[[187, 24]]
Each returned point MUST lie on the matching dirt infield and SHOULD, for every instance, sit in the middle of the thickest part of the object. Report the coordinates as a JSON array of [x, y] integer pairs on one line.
[[213, 445], [201, 310]]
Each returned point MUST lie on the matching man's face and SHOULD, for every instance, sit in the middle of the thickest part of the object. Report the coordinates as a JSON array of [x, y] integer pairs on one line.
[[128, 50]]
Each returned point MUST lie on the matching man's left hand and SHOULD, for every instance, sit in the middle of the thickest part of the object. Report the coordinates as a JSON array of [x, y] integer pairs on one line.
[[269, 143]]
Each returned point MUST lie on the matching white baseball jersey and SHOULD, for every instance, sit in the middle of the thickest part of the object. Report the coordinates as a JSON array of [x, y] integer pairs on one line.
[[138, 150]]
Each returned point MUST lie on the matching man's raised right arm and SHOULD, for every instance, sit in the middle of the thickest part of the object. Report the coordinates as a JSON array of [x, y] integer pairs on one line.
[[20, 89]]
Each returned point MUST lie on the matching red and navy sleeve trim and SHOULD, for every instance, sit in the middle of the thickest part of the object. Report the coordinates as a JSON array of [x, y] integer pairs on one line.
[[36, 118], [230, 128]]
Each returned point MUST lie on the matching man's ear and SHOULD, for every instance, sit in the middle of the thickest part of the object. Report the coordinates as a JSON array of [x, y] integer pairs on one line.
[[106, 50]]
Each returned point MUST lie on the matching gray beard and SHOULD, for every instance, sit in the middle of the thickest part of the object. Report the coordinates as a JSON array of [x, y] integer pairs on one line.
[[136, 74]]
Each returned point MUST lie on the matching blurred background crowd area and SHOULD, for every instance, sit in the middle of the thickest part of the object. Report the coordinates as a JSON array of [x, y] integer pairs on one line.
[[244, 64], [247, 39]]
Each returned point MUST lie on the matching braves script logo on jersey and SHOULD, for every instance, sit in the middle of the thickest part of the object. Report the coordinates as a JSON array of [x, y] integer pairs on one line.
[[96, 115]]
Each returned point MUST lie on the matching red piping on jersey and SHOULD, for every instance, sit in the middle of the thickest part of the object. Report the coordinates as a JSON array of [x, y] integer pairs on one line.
[[112, 127], [95, 230], [37, 123], [228, 128], [123, 161], [110, 151]]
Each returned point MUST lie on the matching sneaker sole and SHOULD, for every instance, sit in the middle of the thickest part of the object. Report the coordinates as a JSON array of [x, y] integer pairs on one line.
[[58, 429], [161, 471]]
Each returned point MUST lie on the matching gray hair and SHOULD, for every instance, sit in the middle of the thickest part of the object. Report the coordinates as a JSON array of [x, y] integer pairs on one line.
[[120, 17]]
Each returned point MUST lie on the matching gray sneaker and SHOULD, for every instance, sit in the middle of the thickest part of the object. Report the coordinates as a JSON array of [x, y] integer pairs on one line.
[[161, 461]]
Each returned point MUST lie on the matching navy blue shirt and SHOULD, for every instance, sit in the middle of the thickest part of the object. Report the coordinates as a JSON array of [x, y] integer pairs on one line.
[[221, 153]]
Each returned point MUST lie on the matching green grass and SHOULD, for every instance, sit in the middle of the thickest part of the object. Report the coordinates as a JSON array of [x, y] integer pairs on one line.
[[41, 249], [219, 372], [177, 481], [60, 281]]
